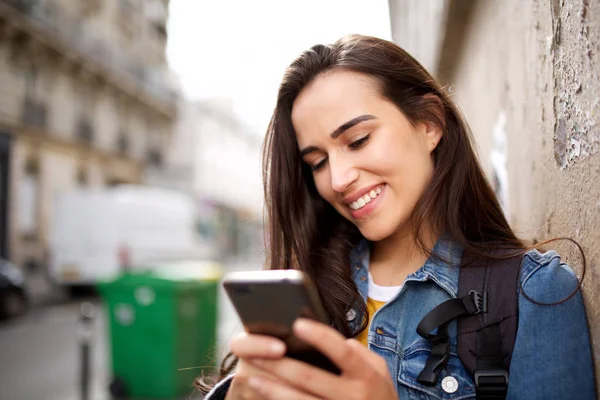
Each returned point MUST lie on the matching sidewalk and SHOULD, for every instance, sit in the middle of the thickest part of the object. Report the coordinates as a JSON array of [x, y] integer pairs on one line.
[[228, 326], [42, 292]]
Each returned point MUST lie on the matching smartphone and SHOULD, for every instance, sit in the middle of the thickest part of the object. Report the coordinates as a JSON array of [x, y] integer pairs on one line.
[[269, 301]]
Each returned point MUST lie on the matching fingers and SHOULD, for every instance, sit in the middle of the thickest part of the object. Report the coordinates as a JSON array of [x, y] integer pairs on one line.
[[302, 376], [332, 344], [240, 385], [247, 345], [269, 389]]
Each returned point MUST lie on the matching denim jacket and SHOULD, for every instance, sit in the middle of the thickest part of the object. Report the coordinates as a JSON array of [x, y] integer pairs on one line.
[[552, 355]]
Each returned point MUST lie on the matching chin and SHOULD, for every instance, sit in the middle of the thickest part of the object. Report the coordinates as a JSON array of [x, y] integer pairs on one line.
[[375, 234]]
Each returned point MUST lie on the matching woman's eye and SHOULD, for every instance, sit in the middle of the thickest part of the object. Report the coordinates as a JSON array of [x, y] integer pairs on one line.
[[359, 143], [318, 165]]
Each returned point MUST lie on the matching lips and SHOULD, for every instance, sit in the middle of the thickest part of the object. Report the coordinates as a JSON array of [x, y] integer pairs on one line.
[[366, 199], [361, 208], [361, 193]]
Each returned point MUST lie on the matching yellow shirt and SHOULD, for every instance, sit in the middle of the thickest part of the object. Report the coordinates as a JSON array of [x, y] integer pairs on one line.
[[376, 298], [372, 306]]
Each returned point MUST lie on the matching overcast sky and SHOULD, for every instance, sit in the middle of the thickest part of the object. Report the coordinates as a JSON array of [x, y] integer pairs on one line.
[[239, 49]]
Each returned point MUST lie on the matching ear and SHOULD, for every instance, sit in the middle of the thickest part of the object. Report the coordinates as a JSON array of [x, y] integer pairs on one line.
[[433, 135], [434, 125]]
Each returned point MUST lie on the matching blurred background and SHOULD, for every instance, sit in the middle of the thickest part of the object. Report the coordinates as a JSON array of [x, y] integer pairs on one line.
[[130, 176]]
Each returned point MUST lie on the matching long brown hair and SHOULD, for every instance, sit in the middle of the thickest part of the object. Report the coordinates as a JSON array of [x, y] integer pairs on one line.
[[306, 233]]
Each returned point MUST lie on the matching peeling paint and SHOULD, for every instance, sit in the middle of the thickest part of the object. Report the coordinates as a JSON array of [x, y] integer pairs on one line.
[[576, 135], [560, 143], [551, 60]]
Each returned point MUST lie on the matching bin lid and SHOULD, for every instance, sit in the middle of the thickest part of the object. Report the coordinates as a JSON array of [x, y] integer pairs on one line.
[[205, 270], [180, 273]]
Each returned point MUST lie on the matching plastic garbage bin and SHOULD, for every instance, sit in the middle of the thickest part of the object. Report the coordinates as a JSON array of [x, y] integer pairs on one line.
[[161, 324]]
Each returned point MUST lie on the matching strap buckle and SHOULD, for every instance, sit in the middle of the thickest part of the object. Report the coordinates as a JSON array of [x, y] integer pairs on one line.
[[480, 301], [491, 382]]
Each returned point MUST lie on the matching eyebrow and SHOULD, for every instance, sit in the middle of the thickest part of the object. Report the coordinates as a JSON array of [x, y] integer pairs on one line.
[[340, 130]]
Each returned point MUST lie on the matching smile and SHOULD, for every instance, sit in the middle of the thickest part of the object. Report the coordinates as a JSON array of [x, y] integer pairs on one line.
[[366, 198]]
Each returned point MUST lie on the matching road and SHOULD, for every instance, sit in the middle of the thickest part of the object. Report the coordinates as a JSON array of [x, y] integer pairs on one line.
[[40, 358]]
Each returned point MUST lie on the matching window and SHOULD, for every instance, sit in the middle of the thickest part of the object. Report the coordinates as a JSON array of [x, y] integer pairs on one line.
[[84, 130], [34, 112], [160, 29], [31, 77], [82, 176], [123, 143], [28, 200], [154, 158]]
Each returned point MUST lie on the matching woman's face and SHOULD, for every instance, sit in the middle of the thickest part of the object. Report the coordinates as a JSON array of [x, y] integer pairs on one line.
[[369, 162]]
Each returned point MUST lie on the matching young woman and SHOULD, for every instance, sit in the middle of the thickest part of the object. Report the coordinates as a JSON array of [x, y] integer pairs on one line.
[[373, 188]]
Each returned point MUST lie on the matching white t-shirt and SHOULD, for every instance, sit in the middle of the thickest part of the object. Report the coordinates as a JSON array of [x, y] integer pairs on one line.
[[382, 293]]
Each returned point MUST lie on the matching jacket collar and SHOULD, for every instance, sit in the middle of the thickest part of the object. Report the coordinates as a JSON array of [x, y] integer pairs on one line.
[[443, 269]]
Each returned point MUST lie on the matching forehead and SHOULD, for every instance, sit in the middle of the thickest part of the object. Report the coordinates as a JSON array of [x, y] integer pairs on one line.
[[332, 99]]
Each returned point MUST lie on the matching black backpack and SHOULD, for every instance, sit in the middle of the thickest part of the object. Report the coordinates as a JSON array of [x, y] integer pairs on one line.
[[487, 314]]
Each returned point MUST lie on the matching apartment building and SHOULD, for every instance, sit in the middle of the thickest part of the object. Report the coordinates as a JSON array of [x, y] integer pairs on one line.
[[85, 100]]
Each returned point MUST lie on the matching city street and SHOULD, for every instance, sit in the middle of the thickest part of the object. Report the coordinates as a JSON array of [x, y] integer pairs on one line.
[[40, 352]]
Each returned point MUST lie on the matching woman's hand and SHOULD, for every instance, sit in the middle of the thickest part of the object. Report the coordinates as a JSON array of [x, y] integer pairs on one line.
[[247, 347], [364, 374]]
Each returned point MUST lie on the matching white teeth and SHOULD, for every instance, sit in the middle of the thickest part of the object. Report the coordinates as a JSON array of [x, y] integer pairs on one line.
[[362, 201]]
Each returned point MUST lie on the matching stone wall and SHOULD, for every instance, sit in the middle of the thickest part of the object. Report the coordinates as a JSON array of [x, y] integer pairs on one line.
[[526, 75]]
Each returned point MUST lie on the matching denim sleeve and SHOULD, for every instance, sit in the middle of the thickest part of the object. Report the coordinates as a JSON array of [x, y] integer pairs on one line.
[[552, 357]]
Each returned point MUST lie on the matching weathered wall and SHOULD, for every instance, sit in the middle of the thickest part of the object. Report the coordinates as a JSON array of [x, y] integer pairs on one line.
[[418, 27], [529, 75]]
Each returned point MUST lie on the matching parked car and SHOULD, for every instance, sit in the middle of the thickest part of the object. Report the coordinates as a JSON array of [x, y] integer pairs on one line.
[[13, 294]]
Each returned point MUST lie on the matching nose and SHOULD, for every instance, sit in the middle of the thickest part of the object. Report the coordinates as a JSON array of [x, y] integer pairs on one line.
[[343, 173]]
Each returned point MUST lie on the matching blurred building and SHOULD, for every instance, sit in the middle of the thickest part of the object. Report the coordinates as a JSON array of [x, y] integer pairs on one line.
[[215, 156], [85, 100], [525, 74]]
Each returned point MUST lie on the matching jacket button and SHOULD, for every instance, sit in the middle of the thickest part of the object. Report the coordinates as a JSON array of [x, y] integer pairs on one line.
[[449, 384], [350, 315]]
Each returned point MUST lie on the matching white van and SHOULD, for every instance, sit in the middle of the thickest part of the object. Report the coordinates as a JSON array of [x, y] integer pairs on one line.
[[96, 234]]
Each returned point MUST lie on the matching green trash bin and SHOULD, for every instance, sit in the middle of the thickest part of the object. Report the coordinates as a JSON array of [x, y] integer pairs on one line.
[[162, 328]]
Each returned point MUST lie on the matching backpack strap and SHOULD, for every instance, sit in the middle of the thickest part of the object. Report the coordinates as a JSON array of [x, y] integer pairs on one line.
[[439, 318], [486, 340], [486, 332]]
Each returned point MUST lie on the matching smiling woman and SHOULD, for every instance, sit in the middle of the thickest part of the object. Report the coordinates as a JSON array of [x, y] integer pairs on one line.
[[374, 190], [380, 151]]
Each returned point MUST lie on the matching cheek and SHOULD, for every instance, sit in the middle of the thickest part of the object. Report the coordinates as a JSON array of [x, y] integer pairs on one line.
[[388, 157], [323, 186], [404, 163]]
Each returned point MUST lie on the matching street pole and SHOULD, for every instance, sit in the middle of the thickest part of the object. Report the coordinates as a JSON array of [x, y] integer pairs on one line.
[[86, 318]]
